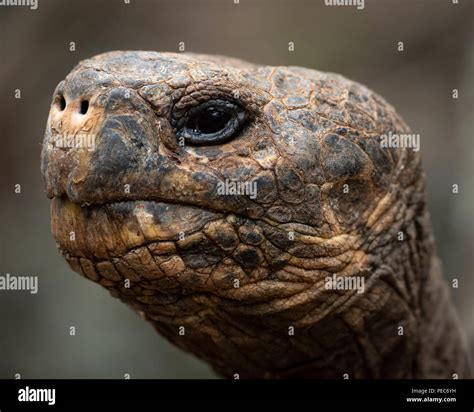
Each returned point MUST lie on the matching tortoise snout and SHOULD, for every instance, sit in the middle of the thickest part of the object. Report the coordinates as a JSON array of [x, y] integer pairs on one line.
[[74, 119], [96, 138], [72, 110]]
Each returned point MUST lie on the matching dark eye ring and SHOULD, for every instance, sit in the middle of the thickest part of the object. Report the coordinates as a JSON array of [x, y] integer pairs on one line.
[[213, 122]]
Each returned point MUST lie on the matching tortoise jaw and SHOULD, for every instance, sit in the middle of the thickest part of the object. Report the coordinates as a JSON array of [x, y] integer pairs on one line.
[[113, 229]]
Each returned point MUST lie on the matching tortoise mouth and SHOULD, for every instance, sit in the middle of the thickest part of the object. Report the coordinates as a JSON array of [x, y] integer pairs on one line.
[[102, 231], [161, 246]]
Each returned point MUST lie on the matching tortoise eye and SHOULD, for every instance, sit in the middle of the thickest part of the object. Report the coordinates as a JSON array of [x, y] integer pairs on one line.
[[213, 122], [61, 102]]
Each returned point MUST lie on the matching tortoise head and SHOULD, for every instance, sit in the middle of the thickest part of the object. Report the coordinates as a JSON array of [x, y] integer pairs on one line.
[[216, 197]]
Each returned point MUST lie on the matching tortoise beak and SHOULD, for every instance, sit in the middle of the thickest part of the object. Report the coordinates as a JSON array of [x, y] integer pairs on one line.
[[96, 134], [70, 140]]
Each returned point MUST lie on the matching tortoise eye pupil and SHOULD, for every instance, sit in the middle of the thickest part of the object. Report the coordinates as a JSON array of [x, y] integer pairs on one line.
[[209, 120], [62, 103]]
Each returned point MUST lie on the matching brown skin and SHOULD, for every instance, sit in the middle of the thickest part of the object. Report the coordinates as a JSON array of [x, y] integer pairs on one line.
[[140, 214]]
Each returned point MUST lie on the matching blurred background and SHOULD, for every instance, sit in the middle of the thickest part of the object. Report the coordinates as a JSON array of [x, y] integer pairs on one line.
[[110, 339]]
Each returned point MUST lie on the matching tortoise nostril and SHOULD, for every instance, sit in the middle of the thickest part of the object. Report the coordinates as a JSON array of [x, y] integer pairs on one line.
[[84, 106], [62, 103]]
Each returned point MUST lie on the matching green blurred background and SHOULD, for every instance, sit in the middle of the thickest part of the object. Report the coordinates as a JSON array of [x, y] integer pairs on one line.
[[110, 339]]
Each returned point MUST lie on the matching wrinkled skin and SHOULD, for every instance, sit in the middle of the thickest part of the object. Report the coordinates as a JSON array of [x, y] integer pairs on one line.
[[144, 209]]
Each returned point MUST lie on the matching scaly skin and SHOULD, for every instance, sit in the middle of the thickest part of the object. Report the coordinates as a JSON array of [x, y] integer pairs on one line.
[[140, 215]]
